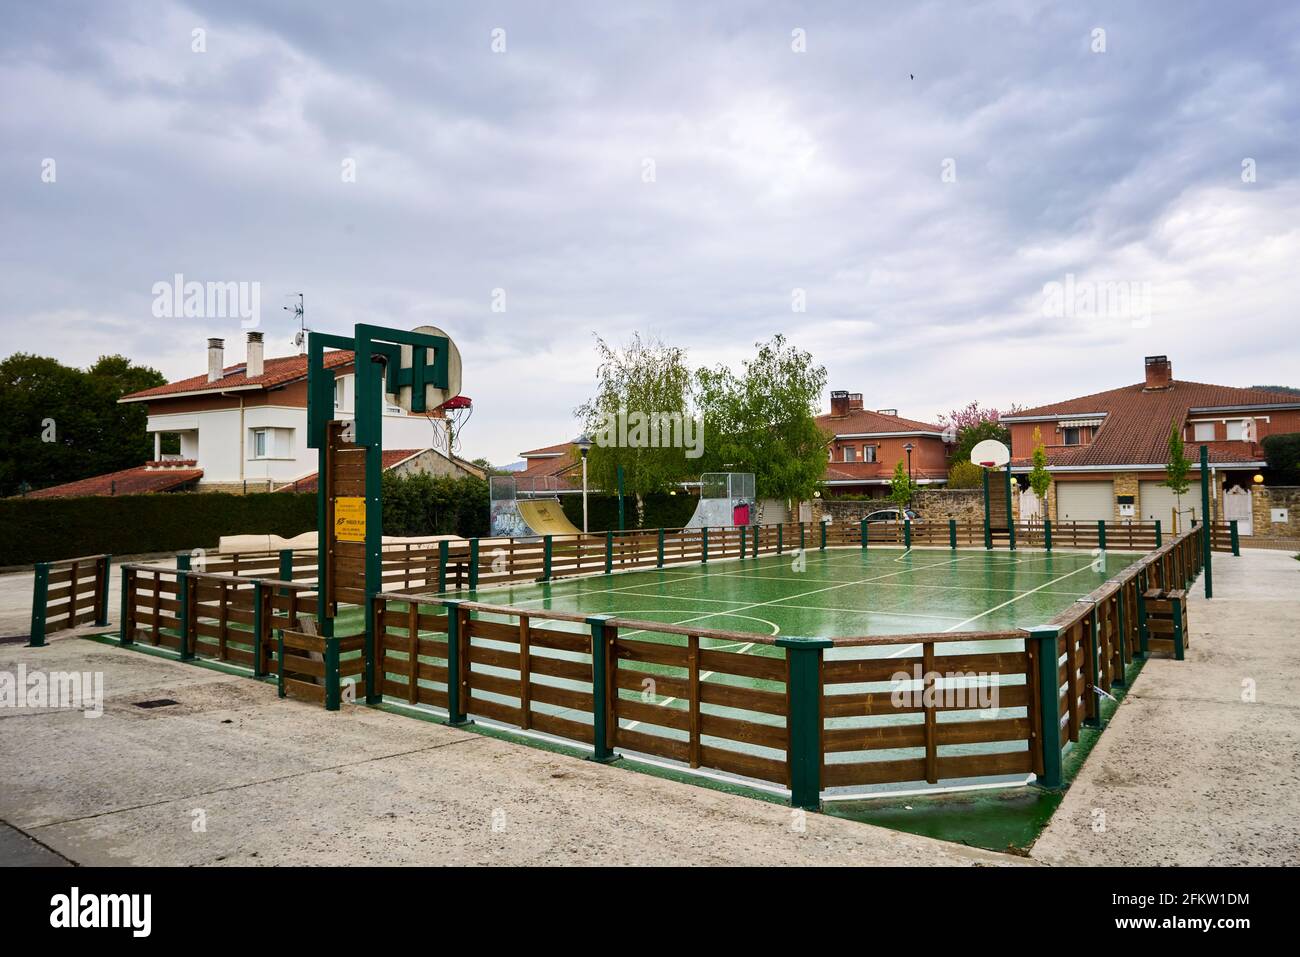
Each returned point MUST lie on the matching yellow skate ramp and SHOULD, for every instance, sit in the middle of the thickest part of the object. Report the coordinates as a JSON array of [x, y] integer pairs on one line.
[[545, 517]]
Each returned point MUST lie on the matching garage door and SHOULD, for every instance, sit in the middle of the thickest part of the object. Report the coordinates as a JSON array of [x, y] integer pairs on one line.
[[1085, 501], [1157, 501]]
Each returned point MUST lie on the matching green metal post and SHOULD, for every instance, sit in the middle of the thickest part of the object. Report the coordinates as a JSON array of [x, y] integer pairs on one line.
[[122, 636], [101, 618], [1011, 525], [805, 720], [823, 535], [1047, 534], [548, 546], [455, 708], [1121, 627], [1236, 540], [743, 539], [332, 684], [1206, 556], [600, 750], [40, 595], [444, 552], [1159, 537], [907, 533], [1049, 697], [780, 539], [258, 623], [473, 562], [1176, 605], [183, 585], [802, 538], [1143, 635], [609, 552], [1101, 535], [659, 562], [755, 549], [704, 545], [952, 533], [988, 527], [1094, 703], [279, 664], [863, 525]]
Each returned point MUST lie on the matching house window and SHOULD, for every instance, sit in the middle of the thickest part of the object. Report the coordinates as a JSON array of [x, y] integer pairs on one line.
[[338, 393], [270, 443], [1072, 436], [1236, 431], [868, 453], [850, 453], [1204, 432]]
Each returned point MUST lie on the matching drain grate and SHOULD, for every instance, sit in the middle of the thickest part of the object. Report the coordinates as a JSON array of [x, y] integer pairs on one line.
[[156, 703]]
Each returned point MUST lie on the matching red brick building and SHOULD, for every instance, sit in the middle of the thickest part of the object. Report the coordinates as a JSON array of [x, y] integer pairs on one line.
[[1107, 451], [865, 446]]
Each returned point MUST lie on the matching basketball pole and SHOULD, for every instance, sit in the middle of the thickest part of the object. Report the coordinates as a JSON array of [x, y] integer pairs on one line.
[[988, 528]]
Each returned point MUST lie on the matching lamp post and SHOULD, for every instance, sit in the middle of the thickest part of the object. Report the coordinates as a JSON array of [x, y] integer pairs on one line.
[[908, 449], [584, 446]]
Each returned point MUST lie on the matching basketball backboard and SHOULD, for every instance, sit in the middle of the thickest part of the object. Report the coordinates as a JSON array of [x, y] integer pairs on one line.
[[433, 396], [990, 454]]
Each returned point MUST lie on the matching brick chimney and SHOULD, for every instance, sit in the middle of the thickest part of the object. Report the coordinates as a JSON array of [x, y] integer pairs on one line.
[[1160, 373], [255, 365], [839, 403], [855, 401], [216, 358]]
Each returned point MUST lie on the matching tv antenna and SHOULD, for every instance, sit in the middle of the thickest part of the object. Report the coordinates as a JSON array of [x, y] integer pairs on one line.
[[300, 313]]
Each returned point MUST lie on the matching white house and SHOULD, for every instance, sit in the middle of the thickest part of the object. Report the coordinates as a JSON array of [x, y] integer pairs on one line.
[[244, 426]]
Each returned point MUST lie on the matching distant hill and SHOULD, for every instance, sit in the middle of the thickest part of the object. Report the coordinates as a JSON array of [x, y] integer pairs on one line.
[[1278, 388]]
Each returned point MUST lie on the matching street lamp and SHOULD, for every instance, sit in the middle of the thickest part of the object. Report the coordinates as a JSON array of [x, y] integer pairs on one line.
[[584, 446], [908, 449]]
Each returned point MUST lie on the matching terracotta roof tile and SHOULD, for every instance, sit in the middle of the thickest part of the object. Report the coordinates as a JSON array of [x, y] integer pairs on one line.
[[862, 420], [391, 458], [1135, 430], [275, 372], [135, 481]]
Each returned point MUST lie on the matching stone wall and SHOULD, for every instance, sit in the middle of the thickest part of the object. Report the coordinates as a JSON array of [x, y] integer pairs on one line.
[[934, 505], [1266, 498]]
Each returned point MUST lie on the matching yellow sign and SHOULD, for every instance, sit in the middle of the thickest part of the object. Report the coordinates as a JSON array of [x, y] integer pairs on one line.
[[350, 519]]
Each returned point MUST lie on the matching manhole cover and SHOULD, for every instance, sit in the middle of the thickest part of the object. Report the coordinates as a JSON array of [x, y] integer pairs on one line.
[[156, 703]]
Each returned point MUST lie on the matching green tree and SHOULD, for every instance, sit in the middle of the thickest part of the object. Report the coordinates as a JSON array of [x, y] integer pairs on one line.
[[1282, 453], [764, 420], [642, 395], [59, 424], [901, 486], [1040, 480], [965, 474], [1177, 469], [971, 435]]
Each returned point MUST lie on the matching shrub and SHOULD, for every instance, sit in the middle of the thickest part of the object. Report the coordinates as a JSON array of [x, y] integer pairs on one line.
[[1282, 453], [965, 474]]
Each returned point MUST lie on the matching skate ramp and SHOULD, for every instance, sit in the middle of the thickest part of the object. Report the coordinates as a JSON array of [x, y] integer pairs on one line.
[[544, 516]]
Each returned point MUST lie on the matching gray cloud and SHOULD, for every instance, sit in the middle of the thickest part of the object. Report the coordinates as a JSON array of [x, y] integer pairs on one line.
[[775, 170]]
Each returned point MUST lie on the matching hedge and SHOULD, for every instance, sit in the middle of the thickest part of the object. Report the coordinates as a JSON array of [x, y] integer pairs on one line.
[[661, 510], [47, 529]]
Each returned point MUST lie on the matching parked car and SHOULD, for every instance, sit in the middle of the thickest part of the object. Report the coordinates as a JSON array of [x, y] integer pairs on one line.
[[886, 515]]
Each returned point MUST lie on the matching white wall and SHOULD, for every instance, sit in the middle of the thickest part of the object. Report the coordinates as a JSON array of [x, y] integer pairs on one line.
[[214, 438]]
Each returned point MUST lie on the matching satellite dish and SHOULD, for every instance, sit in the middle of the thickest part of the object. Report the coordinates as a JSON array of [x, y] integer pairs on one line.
[[990, 454], [433, 397]]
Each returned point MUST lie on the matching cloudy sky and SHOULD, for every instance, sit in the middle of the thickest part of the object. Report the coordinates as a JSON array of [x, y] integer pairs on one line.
[[921, 174]]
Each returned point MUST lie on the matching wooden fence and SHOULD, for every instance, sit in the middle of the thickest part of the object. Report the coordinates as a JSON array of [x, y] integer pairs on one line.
[[806, 714], [69, 593]]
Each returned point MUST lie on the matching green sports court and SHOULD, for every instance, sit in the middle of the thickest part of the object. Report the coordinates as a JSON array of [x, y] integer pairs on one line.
[[837, 593]]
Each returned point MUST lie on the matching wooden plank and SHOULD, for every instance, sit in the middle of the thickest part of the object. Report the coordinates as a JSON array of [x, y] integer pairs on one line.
[[875, 737], [873, 772], [748, 765]]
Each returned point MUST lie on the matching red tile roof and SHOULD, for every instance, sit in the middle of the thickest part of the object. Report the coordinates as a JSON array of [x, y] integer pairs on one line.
[[136, 481], [872, 471], [862, 420], [391, 458], [275, 372], [1135, 430]]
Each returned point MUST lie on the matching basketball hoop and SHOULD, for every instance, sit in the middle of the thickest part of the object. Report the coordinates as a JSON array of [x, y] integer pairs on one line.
[[990, 454]]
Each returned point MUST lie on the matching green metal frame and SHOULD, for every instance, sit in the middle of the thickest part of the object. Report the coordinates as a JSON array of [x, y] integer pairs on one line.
[[1206, 556], [988, 527], [372, 347], [600, 751], [1011, 525]]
